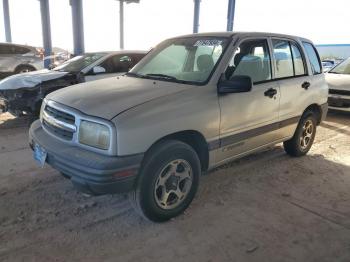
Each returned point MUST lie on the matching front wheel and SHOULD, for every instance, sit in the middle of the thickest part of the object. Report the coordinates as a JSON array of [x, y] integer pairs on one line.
[[168, 181], [303, 137]]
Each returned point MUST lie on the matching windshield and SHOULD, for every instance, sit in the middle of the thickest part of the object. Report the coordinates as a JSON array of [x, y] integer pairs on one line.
[[185, 60], [78, 63], [342, 68]]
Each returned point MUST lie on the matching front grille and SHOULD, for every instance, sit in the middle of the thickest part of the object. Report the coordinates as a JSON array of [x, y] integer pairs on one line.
[[339, 92], [68, 118], [62, 117]]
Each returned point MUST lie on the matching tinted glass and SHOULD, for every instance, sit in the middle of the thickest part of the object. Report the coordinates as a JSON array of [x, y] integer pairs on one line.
[[182, 59], [117, 64], [21, 50], [78, 63], [298, 60], [283, 58], [313, 57], [5, 49], [251, 59]]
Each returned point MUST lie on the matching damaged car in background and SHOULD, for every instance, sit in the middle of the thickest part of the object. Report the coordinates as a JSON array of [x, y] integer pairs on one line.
[[23, 93]]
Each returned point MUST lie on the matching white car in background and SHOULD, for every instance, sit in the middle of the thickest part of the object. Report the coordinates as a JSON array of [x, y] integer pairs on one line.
[[338, 80], [15, 59], [327, 65]]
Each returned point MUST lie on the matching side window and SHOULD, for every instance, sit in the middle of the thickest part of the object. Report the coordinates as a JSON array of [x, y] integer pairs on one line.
[[298, 60], [108, 65], [21, 50], [283, 58], [5, 49], [136, 59], [117, 64], [122, 63], [313, 57], [252, 58]]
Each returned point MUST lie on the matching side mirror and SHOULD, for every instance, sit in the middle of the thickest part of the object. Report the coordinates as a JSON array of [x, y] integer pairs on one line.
[[237, 84], [98, 70]]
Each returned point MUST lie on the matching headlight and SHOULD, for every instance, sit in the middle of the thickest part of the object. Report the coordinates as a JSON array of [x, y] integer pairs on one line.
[[42, 110], [94, 134]]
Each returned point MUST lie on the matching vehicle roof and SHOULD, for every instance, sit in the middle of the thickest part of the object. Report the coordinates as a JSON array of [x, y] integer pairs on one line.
[[28, 46], [245, 34]]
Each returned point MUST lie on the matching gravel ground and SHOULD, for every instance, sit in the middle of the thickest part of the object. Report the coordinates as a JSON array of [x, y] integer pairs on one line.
[[265, 207]]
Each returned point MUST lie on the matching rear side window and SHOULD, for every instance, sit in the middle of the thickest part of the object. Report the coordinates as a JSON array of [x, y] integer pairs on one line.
[[283, 58], [298, 60], [313, 57]]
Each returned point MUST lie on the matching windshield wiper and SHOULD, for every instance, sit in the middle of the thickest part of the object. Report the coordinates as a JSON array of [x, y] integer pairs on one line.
[[162, 76]]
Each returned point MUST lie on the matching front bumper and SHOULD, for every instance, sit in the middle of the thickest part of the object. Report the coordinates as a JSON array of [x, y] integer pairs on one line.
[[339, 102], [3, 105], [324, 111], [89, 172]]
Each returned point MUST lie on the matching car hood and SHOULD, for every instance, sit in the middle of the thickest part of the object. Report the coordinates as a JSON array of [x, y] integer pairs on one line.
[[338, 81], [30, 79], [109, 97]]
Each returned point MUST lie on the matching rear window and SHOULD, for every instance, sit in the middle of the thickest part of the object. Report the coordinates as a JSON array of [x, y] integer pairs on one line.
[[313, 57]]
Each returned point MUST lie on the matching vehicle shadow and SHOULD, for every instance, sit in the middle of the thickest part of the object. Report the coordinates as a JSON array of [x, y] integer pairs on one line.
[[8, 121], [301, 197], [338, 118]]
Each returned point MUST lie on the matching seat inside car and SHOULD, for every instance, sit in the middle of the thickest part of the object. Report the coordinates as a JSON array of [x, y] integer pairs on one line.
[[251, 66], [205, 63]]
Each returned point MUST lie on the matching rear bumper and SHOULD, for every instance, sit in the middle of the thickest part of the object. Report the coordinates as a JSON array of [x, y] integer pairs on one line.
[[89, 172]]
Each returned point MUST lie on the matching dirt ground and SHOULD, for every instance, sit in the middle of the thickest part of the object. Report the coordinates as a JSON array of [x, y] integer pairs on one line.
[[265, 207]]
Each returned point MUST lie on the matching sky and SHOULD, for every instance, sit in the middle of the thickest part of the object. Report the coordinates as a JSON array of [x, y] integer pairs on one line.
[[151, 21]]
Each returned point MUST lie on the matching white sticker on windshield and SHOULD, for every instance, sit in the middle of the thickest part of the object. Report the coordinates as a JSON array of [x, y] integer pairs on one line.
[[208, 42]]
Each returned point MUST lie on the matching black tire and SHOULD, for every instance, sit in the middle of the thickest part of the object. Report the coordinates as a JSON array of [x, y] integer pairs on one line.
[[145, 198], [294, 146], [24, 69]]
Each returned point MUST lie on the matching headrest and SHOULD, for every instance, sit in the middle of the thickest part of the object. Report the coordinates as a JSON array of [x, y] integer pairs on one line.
[[205, 62]]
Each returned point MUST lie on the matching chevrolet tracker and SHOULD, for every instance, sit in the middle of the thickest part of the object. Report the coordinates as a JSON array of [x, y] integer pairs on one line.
[[193, 103]]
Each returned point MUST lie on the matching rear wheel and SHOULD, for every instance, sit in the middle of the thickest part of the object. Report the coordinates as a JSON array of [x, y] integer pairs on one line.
[[168, 181], [303, 137]]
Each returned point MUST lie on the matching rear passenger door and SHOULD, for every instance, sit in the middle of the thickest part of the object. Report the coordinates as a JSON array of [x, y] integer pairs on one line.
[[291, 73], [248, 120]]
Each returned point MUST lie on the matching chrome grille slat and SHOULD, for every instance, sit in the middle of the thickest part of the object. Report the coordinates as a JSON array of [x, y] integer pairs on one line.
[[59, 123]]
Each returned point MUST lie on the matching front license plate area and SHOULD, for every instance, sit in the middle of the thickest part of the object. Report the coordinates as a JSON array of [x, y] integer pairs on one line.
[[40, 155]]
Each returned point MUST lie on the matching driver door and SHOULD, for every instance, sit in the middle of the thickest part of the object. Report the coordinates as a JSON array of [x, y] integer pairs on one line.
[[249, 120]]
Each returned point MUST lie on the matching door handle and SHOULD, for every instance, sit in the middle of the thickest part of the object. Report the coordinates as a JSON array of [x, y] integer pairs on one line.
[[306, 85], [270, 92]]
